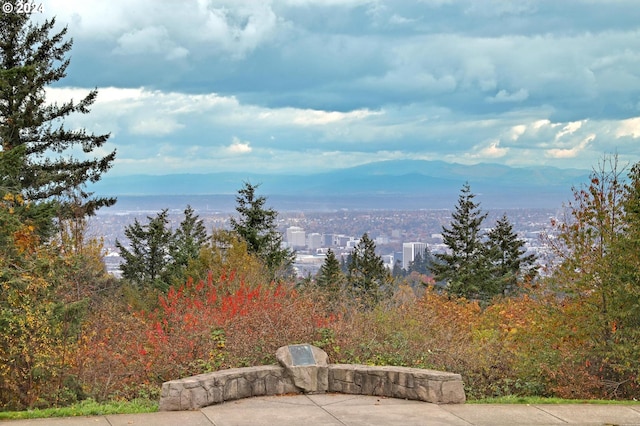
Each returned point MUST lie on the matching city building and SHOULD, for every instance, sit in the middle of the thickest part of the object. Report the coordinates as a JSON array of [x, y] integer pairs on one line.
[[409, 252], [296, 237], [314, 241]]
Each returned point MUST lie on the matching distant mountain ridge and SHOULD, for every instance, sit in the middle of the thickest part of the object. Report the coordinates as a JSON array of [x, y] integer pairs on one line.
[[385, 180]]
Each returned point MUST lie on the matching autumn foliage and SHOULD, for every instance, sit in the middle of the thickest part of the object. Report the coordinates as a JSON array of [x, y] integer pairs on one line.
[[529, 345], [70, 332], [195, 328]]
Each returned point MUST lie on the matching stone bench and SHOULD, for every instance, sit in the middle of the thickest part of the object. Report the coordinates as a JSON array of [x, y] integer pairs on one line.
[[311, 376]]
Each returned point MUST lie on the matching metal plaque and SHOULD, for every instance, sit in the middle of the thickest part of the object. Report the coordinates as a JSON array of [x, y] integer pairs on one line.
[[301, 355]]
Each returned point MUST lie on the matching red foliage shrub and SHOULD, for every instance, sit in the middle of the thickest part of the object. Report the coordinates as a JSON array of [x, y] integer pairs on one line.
[[196, 328]]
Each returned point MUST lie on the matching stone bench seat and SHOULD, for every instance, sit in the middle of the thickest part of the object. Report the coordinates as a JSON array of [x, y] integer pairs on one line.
[[192, 393], [195, 392]]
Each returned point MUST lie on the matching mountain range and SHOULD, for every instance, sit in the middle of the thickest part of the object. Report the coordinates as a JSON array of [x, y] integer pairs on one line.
[[396, 184]]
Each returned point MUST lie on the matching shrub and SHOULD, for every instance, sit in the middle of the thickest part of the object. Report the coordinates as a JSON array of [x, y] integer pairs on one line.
[[195, 328]]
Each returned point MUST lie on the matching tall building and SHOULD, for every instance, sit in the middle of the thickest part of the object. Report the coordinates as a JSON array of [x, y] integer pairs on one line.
[[296, 237], [409, 252], [314, 241]]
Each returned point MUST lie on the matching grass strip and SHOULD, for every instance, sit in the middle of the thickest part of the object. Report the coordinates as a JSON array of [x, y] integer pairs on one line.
[[87, 407]]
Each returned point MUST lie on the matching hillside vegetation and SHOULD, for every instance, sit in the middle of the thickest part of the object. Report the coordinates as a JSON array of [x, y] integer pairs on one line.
[[70, 331]]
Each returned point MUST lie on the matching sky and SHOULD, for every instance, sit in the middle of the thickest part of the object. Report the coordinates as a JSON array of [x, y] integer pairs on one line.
[[304, 86]]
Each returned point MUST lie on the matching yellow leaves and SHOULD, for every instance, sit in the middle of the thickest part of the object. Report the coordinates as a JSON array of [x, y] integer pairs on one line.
[[13, 198], [25, 238], [10, 201]]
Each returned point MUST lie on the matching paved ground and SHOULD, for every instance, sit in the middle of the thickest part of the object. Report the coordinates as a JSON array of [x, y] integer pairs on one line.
[[352, 410]]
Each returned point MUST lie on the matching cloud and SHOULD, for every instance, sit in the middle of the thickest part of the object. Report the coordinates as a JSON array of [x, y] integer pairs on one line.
[[238, 30], [239, 147], [516, 131], [569, 129], [571, 152], [153, 39], [154, 126], [493, 151], [310, 82], [315, 118], [629, 127], [175, 28], [505, 96]]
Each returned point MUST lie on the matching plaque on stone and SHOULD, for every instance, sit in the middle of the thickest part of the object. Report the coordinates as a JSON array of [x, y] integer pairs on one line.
[[301, 355]]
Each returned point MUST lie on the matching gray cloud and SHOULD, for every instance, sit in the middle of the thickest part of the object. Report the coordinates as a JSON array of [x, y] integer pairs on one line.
[[317, 84]]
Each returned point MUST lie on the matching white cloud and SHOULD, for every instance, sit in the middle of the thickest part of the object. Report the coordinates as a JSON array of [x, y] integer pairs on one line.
[[155, 126], [321, 118], [493, 150], [174, 28], [153, 39], [239, 147], [629, 127], [569, 129], [486, 151], [571, 152], [516, 131], [396, 19]]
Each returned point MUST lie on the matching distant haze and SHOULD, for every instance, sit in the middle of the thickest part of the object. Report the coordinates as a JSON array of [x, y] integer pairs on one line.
[[401, 184]]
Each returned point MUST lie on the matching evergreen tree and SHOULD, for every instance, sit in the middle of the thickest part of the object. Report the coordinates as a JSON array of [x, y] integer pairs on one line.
[[421, 263], [34, 139], [330, 276], [368, 279], [147, 260], [416, 264], [190, 237], [157, 256], [398, 272], [257, 226], [465, 267], [508, 256]]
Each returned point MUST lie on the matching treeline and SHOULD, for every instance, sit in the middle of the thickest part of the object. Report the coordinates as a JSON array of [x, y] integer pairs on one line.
[[190, 302]]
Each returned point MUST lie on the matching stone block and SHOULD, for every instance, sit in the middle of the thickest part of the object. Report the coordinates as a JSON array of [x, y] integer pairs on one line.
[[199, 398], [306, 365], [453, 392], [243, 388], [216, 395], [230, 390]]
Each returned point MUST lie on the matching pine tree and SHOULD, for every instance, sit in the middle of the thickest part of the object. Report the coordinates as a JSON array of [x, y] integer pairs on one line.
[[33, 136], [416, 264], [147, 260], [257, 226], [189, 238], [398, 272], [330, 277], [421, 263], [508, 256], [465, 268], [368, 279], [187, 241]]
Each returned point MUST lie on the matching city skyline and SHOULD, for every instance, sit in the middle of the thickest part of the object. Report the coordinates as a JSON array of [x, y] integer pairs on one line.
[[341, 231], [307, 86]]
